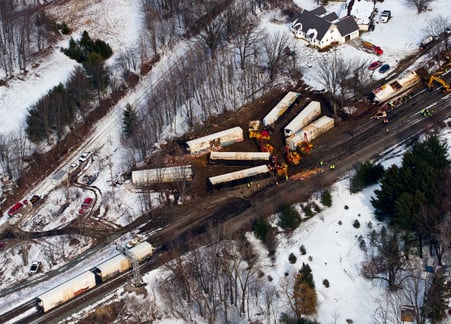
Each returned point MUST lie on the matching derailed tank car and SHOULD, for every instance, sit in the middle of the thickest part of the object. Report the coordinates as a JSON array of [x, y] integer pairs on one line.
[[215, 141], [240, 157], [306, 116], [312, 130], [66, 291], [239, 177]]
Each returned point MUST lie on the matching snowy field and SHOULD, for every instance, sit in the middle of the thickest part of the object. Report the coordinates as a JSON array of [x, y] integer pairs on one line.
[[334, 248]]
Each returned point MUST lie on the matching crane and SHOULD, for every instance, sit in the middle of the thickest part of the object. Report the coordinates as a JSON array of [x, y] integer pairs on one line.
[[305, 146], [442, 82]]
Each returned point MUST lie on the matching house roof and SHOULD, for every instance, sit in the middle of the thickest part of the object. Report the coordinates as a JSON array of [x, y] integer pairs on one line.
[[319, 11], [346, 25], [311, 21], [330, 17], [318, 22]]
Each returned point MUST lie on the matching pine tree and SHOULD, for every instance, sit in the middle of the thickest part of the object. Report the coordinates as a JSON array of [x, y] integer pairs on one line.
[[304, 293], [129, 119], [436, 301]]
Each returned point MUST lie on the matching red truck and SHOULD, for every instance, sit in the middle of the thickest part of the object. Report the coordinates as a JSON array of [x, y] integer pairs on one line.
[[371, 48]]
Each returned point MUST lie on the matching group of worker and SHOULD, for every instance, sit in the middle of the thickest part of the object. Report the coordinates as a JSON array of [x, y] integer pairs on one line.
[[331, 167], [426, 112]]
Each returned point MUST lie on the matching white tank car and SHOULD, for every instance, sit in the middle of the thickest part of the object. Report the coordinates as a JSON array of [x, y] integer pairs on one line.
[[121, 263], [66, 291], [87, 280]]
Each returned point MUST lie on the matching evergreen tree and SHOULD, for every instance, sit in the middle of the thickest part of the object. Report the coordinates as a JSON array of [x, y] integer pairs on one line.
[[50, 114], [304, 293], [436, 301], [129, 120], [366, 174], [417, 182], [289, 217], [261, 228], [306, 275], [97, 72]]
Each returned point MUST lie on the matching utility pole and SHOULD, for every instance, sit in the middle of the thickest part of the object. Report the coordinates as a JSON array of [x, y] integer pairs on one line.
[[137, 279]]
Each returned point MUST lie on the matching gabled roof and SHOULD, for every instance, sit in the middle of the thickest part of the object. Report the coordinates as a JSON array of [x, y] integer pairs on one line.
[[310, 21], [346, 26], [330, 17], [319, 11]]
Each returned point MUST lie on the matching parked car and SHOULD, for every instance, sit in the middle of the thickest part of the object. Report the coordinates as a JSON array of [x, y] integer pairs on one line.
[[84, 156], [448, 30], [15, 209], [385, 16], [74, 166], [375, 65], [87, 202], [35, 200], [83, 210], [384, 68], [34, 268]]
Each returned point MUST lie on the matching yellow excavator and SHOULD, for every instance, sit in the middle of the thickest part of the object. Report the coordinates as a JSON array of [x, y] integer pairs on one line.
[[434, 78]]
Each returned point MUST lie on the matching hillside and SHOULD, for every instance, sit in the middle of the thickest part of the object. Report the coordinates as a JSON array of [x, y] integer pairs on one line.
[[167, 66]]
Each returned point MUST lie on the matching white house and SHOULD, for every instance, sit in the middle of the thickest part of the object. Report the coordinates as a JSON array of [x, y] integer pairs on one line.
[[322, 29]]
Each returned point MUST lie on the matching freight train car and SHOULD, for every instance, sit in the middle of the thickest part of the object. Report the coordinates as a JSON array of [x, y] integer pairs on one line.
[[240, 157], [215, 140], [312, 130], [89, 279], [238, 177], [66, 291], [142, 251], [282, 106], [112, 267], [396, 87], [121, 263], [306, 116], [162, 175]]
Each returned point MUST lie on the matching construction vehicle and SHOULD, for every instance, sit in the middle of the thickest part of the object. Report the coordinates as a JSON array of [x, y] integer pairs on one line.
[[282, 170], [265, 147], [305, 146], [433, 78], [292, 157], [264, 134], [371, 48]]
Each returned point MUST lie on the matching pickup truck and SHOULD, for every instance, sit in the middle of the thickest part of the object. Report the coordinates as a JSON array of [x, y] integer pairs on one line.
[[371, 48], [385, 16], [428, 41]]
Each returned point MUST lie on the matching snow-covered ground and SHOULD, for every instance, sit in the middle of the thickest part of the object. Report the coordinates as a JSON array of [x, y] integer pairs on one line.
[[334, 248]]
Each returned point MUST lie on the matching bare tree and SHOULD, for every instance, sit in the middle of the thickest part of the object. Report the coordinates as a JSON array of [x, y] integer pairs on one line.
[[389, 309], [435, 27], [421, 5], [212, 34], [360, 77], [245, 41], [136, 309], [274, 46], [334, 71], [389, 261]]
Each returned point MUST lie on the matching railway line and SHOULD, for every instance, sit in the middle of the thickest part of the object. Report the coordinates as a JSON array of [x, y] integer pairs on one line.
[[185, 224], [356, 141]]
